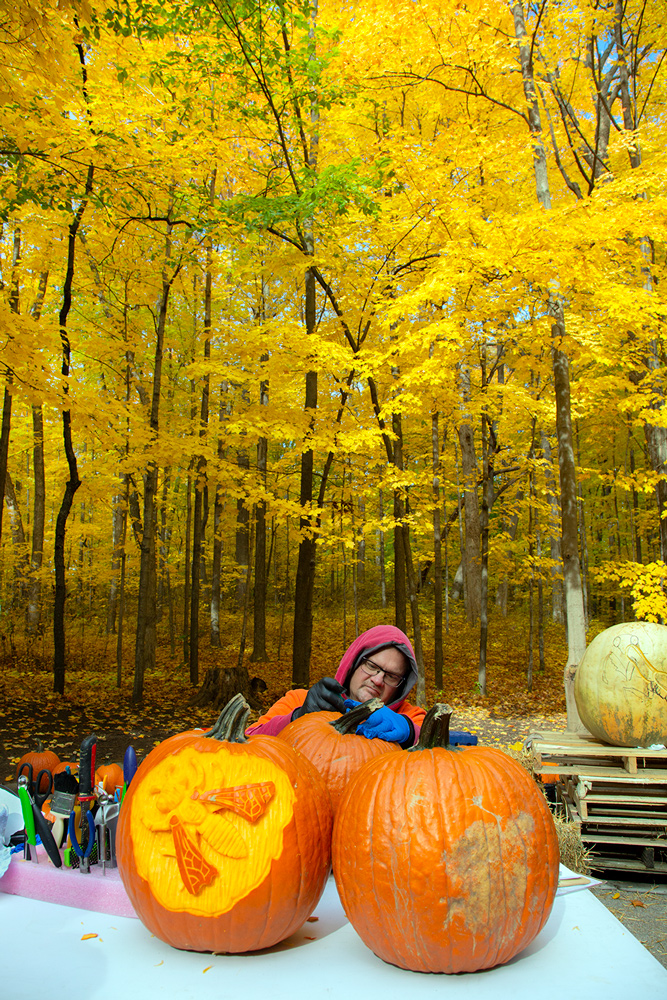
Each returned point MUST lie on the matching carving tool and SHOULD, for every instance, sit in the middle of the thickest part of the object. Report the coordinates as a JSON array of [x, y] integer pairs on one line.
[[129, 768], [86, 799], [30, 842], [65, 790], [106, 819]]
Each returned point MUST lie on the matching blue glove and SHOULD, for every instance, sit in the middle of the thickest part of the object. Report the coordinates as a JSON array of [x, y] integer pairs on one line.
[[350, 703], [386, 725], [462, 739]]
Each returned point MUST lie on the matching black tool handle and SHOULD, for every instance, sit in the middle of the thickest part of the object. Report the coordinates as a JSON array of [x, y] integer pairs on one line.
[[44, 831], [87, 766]]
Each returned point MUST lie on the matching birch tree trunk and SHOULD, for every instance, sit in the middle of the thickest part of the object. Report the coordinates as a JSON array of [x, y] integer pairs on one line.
[[576, 623]]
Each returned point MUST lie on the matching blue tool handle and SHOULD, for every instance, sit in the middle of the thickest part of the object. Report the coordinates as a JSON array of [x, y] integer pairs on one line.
[[71, 830], [129, 765]]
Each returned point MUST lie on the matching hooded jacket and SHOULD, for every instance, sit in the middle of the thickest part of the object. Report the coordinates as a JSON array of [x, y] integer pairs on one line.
[[376, 638]]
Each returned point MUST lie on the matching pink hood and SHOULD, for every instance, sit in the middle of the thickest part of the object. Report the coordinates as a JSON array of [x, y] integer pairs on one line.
[[372, 641]]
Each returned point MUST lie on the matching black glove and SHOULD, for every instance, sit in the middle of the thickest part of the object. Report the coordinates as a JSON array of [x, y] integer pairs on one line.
[[325, 696]]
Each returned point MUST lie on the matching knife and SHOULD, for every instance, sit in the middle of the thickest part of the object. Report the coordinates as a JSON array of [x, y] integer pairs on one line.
[[86, 799]]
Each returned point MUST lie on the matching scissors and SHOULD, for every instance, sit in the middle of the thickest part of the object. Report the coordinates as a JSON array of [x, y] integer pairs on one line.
[[39, 797], [34, 821]]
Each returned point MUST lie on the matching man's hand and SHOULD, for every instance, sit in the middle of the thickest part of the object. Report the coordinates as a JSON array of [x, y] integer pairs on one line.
[[386, 725], [325, 696]]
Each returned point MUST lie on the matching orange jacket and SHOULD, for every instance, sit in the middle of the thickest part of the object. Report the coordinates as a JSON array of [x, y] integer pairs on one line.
[[280, 714]]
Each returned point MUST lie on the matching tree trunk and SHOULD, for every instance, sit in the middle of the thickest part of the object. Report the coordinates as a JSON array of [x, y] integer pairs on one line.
[[144, 650], [217, 536], [400, 587], [39, 509], [121, 590], [21, 564], [259, 602], [472, 572], [557, 597], [305, 571], [242, 552], [187, 573], [73, 482], [200, 480], [576, 623], [437, 555]]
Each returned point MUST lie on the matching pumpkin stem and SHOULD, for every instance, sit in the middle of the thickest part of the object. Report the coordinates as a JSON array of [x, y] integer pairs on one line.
[[231, 723], [348, 723], [435, 729]]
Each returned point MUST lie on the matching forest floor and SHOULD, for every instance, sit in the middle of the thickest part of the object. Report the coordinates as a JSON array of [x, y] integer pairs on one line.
[[30, 711]]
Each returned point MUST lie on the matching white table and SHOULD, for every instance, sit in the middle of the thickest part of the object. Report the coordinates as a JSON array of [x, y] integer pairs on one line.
[[582, 952]]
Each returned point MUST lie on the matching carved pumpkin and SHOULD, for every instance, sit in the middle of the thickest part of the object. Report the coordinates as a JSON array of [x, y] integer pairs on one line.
[[111, 776], [41, 760], [330, 742], [446, 859], [621, 685], [223, 843]]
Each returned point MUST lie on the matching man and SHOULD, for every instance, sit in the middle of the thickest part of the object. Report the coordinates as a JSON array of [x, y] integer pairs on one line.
[[380, 663]]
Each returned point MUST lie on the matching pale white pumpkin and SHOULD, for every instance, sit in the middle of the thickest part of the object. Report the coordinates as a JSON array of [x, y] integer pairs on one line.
[[621, 685]]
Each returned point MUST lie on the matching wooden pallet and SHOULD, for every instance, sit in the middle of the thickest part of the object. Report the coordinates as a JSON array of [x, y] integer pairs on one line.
[[565, 753], [620, 847], [616, 795]]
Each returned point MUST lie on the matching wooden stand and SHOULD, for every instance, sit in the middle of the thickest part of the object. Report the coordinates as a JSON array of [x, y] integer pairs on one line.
[[617, 795]]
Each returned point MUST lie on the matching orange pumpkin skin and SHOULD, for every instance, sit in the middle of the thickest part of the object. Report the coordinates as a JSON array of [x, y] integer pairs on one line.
[[41, 760], [73, 766], [295, 878], [336, 756], [111, 776], [445, 861]]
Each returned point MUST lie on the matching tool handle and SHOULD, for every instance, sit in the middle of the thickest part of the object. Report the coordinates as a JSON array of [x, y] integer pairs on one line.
[[26, 809], [58, 830], [129, 765], [44, 831], [79, 849], [87, 766]]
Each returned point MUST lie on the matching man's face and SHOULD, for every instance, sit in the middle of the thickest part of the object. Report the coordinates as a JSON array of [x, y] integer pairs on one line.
[[364, 686]]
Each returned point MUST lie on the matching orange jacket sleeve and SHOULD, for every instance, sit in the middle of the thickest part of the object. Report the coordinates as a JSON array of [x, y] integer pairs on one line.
[[279, 715]]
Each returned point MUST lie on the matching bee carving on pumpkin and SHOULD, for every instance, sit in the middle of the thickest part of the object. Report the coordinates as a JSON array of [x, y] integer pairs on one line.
[[198, 827]]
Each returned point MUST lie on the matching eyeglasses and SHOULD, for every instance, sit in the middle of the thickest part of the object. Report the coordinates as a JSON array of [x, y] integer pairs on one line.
[[372, 669]]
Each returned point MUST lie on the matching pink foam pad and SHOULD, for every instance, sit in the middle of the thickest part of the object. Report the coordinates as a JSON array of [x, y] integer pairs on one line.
[[67, 886]]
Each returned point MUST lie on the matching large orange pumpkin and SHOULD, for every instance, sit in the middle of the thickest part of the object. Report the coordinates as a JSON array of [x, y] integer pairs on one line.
[[446, 860], [621, 685], [329, 741], [224, 843]]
